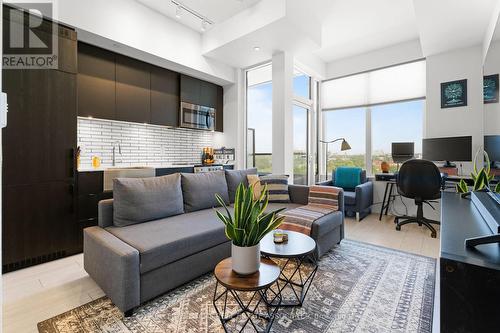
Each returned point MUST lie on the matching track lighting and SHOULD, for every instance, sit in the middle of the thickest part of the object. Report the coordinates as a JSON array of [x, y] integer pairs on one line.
[[178, 12], [204, 25], [180, 9]]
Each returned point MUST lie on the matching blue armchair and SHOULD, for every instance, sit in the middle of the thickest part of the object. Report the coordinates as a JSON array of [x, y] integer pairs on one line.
[[358, 191]]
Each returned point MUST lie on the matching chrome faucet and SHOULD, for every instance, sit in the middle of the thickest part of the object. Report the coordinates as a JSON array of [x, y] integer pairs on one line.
[[116, 143]]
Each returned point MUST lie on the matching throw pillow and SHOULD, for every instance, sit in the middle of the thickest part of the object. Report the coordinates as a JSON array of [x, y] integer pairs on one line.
[[254, 181], [199, 189], [324, 196], [347, 177], [137, 200], [277, 185], [235, 178]]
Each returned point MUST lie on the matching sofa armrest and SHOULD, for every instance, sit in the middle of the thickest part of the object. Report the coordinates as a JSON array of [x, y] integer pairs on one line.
[[105, 213], [114, 266], [364, 195], [299, 194]]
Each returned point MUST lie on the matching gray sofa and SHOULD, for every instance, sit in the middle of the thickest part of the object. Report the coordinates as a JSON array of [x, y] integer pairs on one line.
[[150, 241]]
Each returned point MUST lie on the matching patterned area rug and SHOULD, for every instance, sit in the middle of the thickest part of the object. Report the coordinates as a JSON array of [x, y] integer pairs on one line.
[[358, 288]]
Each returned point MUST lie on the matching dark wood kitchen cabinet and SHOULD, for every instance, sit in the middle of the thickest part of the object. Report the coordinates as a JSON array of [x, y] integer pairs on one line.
[[39, 219], [133, 100], [90, 192], [165, 102], [204, 93], [96, 82], [198, 92]]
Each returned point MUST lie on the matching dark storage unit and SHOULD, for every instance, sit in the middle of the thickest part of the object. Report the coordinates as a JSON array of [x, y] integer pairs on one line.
[[204, 93], [38, 161], [90, 192], [116, 87], [132, 90], [165, 102], [96, 82]]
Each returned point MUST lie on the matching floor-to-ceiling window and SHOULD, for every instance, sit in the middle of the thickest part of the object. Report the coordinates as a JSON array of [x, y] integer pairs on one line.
[[302, 107], [371, 110], [348, 124], [395, 122], [300, 144], [259, 98]]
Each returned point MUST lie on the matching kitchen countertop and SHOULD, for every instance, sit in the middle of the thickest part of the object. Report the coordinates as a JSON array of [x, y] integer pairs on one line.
[[157, 166]]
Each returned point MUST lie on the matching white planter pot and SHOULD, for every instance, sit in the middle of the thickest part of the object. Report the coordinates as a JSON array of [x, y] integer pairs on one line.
[[246, 260]]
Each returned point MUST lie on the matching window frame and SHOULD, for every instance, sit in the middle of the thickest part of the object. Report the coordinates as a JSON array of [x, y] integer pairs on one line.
[[368, 121]]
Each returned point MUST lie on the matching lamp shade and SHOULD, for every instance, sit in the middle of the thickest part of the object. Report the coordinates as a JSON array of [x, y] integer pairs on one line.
[[345, 146]]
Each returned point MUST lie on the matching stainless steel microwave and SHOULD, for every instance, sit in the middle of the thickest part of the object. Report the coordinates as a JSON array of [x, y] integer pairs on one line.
[[197, 116]]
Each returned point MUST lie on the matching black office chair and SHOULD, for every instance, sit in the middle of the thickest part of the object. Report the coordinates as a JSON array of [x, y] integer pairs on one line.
[[419, 180]]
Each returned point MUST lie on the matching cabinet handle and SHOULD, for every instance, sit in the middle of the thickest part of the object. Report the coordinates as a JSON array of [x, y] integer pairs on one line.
[[449, 269]]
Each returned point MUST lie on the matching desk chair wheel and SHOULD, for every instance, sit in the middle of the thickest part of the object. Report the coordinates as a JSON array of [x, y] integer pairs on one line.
[[398, 227], [433, 235]]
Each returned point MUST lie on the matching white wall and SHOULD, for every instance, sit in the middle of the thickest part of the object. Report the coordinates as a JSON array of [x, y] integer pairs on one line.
[[459, 121], [234, 119], [141, 28], [388, 56], [492, 111]]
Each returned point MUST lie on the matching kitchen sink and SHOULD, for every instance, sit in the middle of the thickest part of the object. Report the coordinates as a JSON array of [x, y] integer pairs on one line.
[[126, 172]]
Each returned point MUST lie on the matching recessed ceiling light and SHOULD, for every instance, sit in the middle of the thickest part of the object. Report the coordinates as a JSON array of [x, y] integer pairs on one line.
[[256, 48], [178, 12]]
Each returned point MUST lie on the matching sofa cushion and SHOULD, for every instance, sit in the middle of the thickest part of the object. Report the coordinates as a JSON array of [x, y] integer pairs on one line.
[[235, 177], [349, 198], [166, 240], [139, 200], [199, 189]]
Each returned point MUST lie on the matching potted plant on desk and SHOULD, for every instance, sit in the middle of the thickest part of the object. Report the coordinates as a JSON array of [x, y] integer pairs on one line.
[[247, 226], [480, 178]]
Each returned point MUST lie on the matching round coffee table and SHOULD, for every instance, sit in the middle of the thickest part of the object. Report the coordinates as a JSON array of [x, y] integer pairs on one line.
[[250, 292], [298, 264]]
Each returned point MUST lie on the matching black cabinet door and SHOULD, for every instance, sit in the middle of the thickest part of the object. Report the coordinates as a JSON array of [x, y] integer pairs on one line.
[[219, 110], [208, 94], [40, 137], [96, 82], [132, 90], [38, 222], [165, 101], [190, 90], [67, 55]]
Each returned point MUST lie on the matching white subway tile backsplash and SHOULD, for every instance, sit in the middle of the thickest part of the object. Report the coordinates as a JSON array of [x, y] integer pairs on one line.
[[141, 143]]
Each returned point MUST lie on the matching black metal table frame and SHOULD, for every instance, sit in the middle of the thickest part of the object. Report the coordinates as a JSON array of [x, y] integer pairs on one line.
[[304, 284], [389, 187], [246, 306]]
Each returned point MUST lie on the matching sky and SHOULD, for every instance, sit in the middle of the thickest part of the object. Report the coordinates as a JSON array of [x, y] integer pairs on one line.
[[399, 122]]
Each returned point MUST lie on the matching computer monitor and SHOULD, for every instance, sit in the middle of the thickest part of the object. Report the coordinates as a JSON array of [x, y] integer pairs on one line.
[[492, 147], [402, 151], [450, 149]]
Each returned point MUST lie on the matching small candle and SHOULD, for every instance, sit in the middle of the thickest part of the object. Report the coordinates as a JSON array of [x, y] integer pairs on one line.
[[278, 236]]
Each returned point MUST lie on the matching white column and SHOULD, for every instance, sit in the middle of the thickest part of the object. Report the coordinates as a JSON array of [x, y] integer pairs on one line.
[[282, 114]]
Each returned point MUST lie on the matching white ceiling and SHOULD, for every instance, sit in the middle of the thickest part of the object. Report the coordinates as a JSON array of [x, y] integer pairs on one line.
[[358, 26], [215, 10], [329, 30]]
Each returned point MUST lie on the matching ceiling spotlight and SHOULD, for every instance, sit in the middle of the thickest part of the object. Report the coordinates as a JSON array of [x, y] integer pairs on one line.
[[204, 25], [256, 48], [178, 11]]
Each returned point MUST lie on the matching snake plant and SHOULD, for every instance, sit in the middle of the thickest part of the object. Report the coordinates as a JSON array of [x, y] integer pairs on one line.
[[250, 222], [481, 178]]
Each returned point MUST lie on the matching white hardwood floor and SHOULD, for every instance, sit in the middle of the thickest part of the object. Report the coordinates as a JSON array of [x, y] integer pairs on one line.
[[37, 293]]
